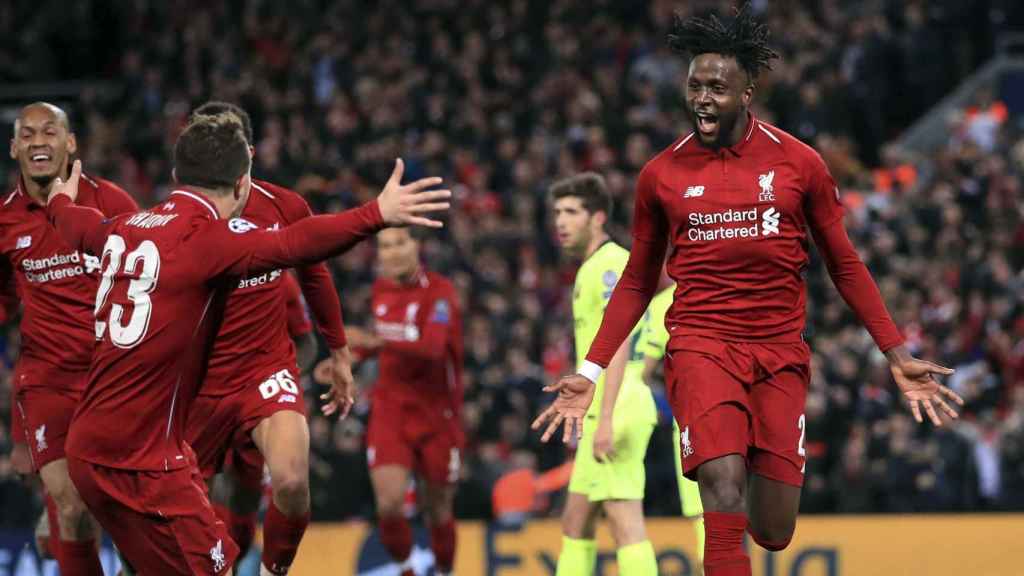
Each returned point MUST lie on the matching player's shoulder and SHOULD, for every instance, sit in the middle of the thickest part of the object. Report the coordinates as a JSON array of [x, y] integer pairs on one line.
[[439, 283], [663, 159], [610, 256], [286, 200], [603, 268], [790, 145]]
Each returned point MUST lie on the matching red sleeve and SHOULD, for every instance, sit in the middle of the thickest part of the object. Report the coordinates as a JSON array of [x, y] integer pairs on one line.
[[824, 212], [298, 319], [113, 200], [436, 323], [239, 248], [318, 288], [84, 229], [639, 279]]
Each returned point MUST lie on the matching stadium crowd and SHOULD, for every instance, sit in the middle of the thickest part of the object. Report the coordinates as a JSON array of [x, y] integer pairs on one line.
[[500, 98]]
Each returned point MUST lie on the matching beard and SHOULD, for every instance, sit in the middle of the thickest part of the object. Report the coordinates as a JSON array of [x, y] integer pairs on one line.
[[43, 180]]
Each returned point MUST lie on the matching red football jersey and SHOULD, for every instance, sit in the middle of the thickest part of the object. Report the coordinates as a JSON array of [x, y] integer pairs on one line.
[[55, 282], [420, 360], [166, 276], [736, 224], [254, 334], [299, 323]]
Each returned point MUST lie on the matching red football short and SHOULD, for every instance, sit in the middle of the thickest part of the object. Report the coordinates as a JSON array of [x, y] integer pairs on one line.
[[218, 424], [46, 411], [421, 440], [740, 398], [162, 522]]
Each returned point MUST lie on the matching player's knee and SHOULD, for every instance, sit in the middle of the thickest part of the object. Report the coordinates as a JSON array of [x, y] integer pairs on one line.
[[291, 492], [723, 494], [774, 535], [773, 541], [390, 504]]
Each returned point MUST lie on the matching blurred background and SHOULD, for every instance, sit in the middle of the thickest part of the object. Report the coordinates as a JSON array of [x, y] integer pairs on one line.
[[915, 105]]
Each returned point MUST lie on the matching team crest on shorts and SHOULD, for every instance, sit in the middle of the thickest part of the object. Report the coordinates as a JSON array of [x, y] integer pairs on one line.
[[217, 556]]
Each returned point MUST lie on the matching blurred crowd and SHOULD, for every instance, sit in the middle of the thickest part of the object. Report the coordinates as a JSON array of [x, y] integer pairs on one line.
[[500, 98]]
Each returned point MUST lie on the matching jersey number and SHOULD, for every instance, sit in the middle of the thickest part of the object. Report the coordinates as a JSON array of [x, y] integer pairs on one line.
[[802, 425], [282, 381], [144, 260]]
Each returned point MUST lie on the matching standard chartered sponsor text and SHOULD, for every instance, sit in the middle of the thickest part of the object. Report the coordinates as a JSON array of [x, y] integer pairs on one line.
[[58, 266], [697, 220]]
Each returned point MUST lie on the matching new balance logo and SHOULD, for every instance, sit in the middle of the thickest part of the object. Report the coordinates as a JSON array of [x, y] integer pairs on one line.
[[41, 438], [767, 190], [23, 242], [217, 556], [693, 192], [770, 222], [684, 439]]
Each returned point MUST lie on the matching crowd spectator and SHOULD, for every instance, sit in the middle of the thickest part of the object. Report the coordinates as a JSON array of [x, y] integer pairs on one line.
[[501, 98]]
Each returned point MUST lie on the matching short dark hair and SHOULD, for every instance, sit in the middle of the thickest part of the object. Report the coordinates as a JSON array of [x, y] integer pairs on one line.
[[211, 152], [589, 187], [214, 107], [744, 38]]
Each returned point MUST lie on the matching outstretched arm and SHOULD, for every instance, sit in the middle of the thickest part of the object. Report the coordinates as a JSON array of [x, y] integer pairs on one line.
[[914, 377]]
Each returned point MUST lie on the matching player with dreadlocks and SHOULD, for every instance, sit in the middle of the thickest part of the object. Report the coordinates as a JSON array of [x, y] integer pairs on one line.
[[735, 200]]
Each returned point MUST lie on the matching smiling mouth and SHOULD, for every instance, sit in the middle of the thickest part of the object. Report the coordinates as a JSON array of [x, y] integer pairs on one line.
[[39, 159], [707, 124]]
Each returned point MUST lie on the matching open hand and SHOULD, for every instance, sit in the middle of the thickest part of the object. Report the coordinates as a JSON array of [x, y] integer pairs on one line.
[[404, 205], [338, 372], [915, 379], [575, 393]]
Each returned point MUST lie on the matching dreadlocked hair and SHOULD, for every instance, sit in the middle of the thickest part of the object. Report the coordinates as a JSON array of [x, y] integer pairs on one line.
[[743, 38]]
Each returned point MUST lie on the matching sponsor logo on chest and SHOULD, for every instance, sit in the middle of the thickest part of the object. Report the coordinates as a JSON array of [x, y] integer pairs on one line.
[[758, 221]]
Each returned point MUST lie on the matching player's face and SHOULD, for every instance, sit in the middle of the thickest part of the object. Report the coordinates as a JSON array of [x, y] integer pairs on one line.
[[718, 92], [573, 224], [42, 144], [398, 253]]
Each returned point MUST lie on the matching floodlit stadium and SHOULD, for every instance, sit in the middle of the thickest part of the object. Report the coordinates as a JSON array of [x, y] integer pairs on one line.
[[739, 160]]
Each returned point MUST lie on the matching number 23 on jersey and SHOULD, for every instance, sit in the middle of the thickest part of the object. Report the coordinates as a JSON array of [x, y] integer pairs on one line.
[[144, 261]]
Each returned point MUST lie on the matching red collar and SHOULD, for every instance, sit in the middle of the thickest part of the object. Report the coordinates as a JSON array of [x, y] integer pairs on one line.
[[198, 198]]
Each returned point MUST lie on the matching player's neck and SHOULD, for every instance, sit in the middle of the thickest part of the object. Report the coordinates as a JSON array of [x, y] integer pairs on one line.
[[739, 130], [226, 204], [595, 244], [35, 191], [409, 277]]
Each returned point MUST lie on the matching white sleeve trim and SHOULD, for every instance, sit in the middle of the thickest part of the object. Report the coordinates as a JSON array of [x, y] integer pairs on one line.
[[590, 371]]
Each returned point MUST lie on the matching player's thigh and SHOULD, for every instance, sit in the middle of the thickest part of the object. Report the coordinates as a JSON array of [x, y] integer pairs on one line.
[[212, 422], [624, 476], [711, 405], [579, 516], [438, 456], [772, 507], [390, 483], [626, 520], [386, 445], [283, 439], [777, 405], [438, 501]]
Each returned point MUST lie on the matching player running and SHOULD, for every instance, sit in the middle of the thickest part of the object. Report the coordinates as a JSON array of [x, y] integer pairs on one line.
[[415, 421], [653, 340], [57, 286], [166, 277], [608, 474], [251, 403], [736, 199]]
